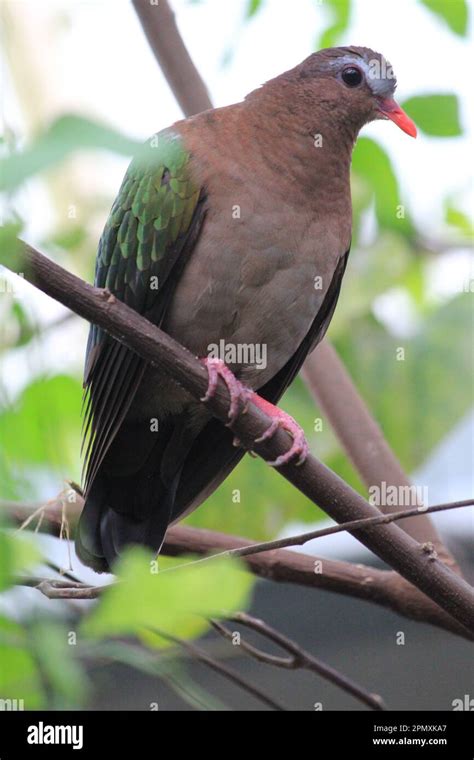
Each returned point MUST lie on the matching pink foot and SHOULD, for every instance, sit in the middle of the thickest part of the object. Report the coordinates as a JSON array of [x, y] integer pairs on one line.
[[281, 419], [239, 394]]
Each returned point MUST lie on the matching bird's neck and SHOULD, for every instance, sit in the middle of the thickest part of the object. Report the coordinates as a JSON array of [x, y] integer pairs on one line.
[[305, 141]]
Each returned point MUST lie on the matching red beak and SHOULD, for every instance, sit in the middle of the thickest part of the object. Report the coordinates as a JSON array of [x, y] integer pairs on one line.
[[391, 110]]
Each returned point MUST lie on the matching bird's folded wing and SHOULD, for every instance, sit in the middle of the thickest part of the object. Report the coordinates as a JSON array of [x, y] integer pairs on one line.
[[150, 234]]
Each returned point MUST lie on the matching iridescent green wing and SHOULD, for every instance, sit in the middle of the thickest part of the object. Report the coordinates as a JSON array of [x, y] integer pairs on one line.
[[150, 233]]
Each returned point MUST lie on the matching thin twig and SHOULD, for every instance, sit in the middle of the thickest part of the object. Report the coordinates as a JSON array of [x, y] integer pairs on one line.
[[231, 675], [60, 589], [255, 652], [299, 658], [65, 574], [353, 525]]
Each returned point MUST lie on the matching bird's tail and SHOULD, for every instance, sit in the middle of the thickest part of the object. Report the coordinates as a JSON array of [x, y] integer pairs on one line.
[[130, 500], [145, 483]]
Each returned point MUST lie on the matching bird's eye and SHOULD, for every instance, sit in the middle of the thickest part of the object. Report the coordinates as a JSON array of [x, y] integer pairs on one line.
[[351, 76]]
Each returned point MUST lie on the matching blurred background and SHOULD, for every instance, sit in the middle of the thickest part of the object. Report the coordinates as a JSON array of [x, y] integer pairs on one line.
[[80, 91]]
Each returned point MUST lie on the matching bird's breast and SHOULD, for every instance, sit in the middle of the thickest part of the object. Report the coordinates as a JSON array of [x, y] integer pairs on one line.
[[255, 283]]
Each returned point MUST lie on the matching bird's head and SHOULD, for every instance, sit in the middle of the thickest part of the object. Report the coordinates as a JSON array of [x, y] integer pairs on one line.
[[354, 83]]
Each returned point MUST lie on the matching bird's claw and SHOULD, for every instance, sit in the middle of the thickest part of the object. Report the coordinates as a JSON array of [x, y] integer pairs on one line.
[[239, 394], [239, 445], [299, 448]]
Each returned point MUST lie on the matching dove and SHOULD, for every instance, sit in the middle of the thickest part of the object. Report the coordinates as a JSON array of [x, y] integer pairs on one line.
[[231, 231]]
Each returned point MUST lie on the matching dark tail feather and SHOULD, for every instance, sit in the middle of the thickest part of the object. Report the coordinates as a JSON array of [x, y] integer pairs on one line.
[[129, 500], [103, 532]]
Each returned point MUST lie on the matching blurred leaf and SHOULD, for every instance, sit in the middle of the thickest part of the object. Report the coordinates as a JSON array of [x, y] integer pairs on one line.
[[340, 11], [415, 281], [25, 329], [17, 553], [361, 201], [436, 115], [175, 600], [419, 399], [69, 238], [456, 218], [372, 269], [171, 669], [65, 135], [453, 12], [13, 486], [43, 426], [19, 674], [10, 246], [55, 656], [253, 6], [372, 163], [17, 328]]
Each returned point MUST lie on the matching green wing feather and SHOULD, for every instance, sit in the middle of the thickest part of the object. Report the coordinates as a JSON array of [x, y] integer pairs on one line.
[[150, 232]]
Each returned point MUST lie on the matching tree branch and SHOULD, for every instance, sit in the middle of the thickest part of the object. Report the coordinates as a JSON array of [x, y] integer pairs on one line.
[[303, 538], [223, 670], [53, 588], [160, 28], [299, 658], [313, 478], [382, 587]]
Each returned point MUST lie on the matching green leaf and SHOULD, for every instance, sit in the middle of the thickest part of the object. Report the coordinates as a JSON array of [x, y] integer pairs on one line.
[[69, 238], [170, 668], [436, 115], [372, 164], [43, 426], [456, 218], [17, 553], [253, 6], [340, 11], [55, 656], [10, 246], [19, 674], [175, 600], [403, 392], [65, 135], [371, 271], [453, 12]]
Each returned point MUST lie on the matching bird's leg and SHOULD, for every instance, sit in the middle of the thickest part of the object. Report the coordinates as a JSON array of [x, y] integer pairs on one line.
[[240, 396], [239, 393], [280, 419]]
